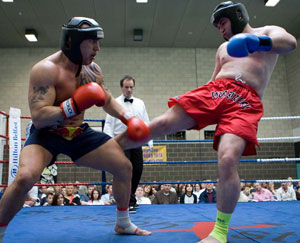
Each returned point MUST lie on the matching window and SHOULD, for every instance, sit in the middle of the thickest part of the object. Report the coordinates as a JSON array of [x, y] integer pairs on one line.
[[209, 134], [174, 136]]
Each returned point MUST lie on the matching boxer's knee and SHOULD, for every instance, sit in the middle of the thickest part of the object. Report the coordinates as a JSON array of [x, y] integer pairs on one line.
[[124, 170], [25, 180], [228, 165]]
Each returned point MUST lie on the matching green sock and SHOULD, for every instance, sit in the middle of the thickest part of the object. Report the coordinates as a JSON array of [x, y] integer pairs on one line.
[[221, 227]]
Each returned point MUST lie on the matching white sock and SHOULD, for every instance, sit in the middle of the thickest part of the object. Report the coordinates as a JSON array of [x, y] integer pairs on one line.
[[124, 222]]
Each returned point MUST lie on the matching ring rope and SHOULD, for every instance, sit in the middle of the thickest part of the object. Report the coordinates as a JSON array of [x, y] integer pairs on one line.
[[280, 118], [198, 161], [211, 140]]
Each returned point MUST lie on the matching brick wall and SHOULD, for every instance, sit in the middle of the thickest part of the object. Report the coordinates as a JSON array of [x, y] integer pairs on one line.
[[193, 152], [160, 73]]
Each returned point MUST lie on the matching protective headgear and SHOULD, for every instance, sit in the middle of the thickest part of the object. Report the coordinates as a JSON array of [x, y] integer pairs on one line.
[[236, 12], [73, 35]]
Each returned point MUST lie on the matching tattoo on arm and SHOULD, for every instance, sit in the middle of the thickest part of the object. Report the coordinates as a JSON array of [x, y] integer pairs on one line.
[[38, 93], [90, 74]]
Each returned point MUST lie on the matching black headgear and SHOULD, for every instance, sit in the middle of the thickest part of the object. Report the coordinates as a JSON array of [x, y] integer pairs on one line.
[[236, 12], [73, 35]]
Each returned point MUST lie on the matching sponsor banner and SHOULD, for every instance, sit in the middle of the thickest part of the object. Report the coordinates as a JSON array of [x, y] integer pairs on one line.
[[158, 154], [14, 143], [3, 120]]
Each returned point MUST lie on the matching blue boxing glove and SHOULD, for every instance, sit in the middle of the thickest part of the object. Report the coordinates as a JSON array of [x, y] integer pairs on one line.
[[241, 45]]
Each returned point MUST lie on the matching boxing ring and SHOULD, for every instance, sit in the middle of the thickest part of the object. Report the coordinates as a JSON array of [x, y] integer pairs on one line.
[[251, 221]]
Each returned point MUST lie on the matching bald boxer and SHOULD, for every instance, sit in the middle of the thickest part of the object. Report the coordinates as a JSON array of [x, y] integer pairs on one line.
[[62, 86], [231, 99]]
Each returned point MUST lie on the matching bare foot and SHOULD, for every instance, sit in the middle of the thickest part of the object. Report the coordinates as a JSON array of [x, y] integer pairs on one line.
[[209, 239], [138, 231]]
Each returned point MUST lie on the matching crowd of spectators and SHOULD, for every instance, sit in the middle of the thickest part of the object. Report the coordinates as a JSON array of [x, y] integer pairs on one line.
[[159, 194], [259, 192]]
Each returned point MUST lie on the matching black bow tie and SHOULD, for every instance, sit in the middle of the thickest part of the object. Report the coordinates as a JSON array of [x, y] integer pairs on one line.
[[128, 100]]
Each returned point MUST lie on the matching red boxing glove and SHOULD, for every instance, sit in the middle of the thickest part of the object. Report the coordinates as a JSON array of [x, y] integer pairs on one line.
[[83, 98], [137, 130]]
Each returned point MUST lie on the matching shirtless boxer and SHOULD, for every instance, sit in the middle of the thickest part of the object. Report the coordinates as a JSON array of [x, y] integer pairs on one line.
[[61, 87], [231, 99]]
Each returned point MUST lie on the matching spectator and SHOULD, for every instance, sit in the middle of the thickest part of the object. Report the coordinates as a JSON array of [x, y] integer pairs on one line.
[[63, 191], [82, 190], [298, 193], [148, 192], [251, 188], [33, 195], [140, 198], [29, 202], [271, 188], [261, 194], [49, 199], [203, 187], [58, 199], [265, 185], [188, 197], [154, 190], [42, 192], [70, 198], [197, 191], [181, 190], [57, 189], [108, 198], [50, 189], [290, 184], [114, 126], [242, 184], [85, 197], [245, 195], [165, 196], [96, 198], [32, 198], [286, 193], [208, 195], [296, 187], [75, 190]]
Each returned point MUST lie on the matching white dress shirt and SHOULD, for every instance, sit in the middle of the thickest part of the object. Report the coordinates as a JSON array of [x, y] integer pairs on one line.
[[114, 126], [288, 195]]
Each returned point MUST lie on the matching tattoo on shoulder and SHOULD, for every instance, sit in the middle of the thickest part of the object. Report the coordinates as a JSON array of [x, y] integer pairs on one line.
[[91, 73], [38, 93]]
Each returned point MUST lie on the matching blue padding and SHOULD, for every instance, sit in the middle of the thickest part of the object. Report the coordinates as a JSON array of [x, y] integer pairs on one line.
[[251, 222]]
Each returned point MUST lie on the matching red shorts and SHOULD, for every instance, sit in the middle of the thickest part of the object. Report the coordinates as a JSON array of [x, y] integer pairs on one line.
[[234, 106]]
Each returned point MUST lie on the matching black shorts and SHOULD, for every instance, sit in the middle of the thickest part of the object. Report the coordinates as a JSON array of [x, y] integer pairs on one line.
[[80, 144]]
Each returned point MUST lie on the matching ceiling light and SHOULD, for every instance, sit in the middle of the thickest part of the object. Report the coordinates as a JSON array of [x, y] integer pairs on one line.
[[31, 35], [271, 3], [141, 1], [8, 1]]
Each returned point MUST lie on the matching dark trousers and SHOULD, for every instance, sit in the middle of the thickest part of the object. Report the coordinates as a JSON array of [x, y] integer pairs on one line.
[[136, 158]]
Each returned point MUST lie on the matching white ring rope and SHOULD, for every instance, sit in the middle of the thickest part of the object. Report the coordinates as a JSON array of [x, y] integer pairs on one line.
[[279, 138], [280, 118]]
